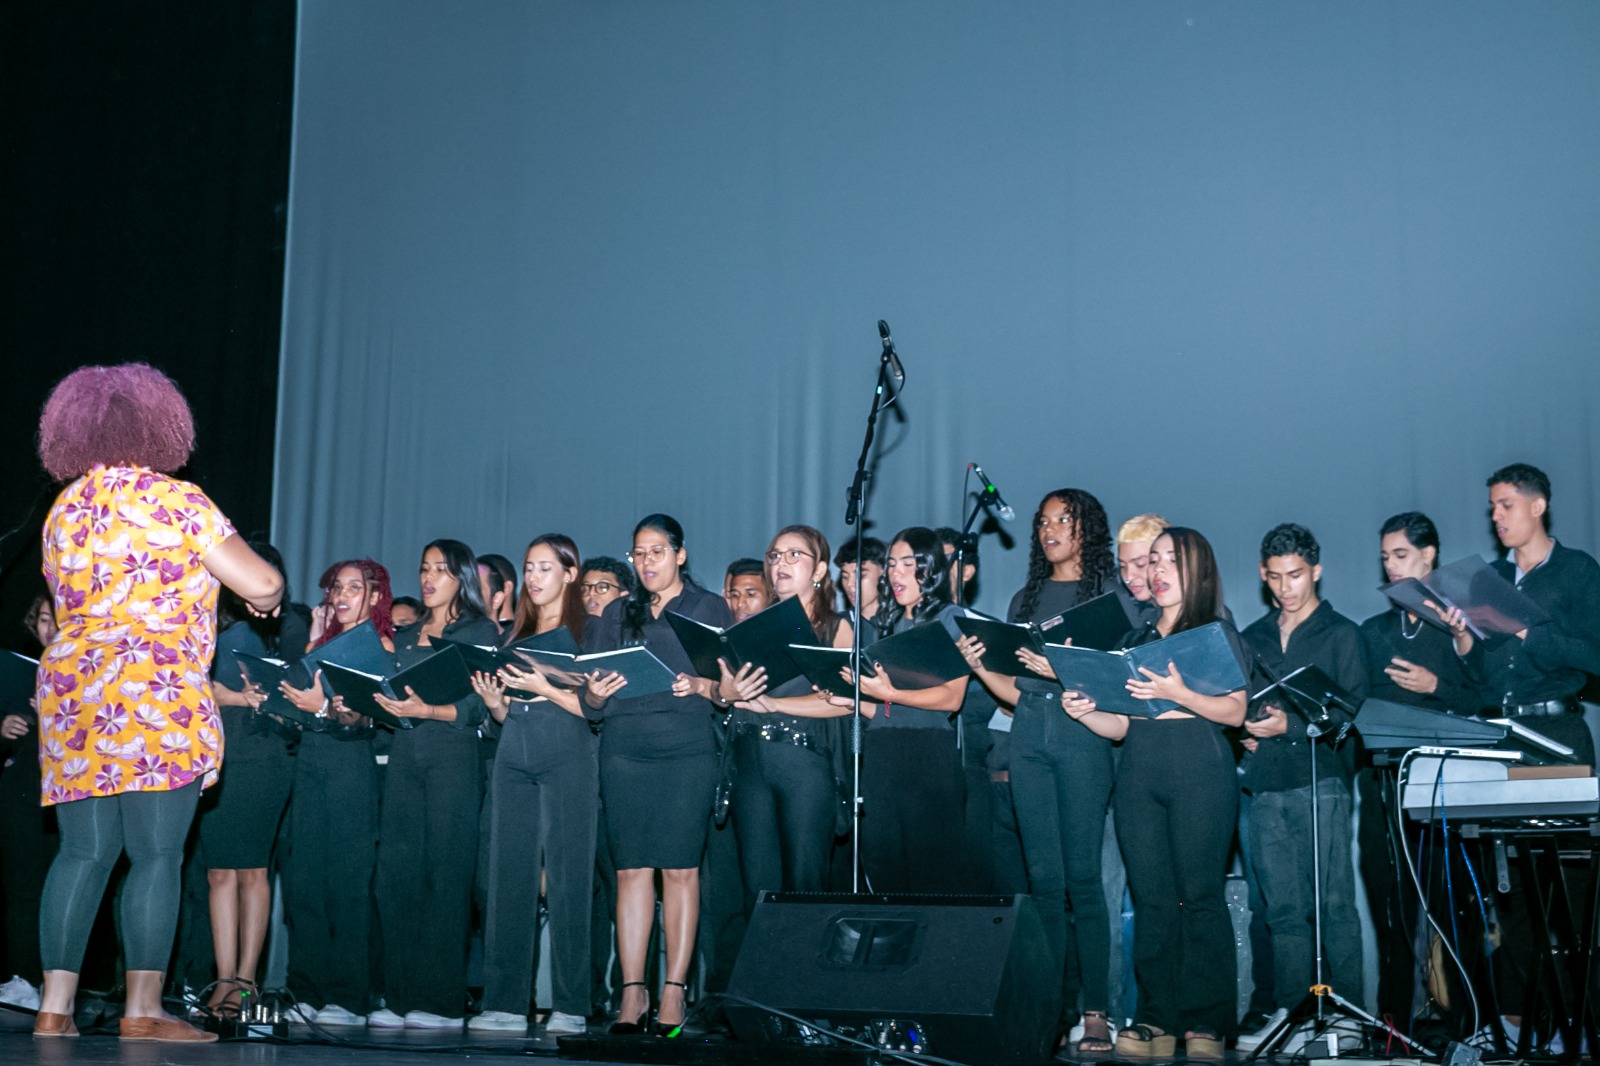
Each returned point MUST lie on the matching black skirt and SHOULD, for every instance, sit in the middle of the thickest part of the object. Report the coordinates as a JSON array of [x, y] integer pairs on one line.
[[657, 809]]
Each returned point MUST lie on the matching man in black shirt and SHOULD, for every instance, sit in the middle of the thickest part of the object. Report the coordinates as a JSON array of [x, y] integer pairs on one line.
[[1411, 662], [1538, 673], [1302, 630]]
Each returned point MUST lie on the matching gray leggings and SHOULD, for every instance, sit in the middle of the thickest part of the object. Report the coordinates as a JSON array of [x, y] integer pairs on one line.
[[151, 827]]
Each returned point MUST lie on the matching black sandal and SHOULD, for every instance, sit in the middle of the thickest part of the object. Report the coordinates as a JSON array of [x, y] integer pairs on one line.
[[668, 1031], [637, 1026]]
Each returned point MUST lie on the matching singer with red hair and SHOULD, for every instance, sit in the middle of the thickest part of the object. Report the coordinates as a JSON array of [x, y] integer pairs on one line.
[[333, 818]]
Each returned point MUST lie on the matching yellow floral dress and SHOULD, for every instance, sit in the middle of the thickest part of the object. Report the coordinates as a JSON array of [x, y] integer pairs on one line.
[[124, 690]]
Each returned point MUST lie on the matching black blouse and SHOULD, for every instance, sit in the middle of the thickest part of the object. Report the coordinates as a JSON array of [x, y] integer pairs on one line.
[[468, 629]]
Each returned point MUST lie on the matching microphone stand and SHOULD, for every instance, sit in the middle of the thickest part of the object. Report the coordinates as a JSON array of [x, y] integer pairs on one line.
[[966, 544], [854, 515]]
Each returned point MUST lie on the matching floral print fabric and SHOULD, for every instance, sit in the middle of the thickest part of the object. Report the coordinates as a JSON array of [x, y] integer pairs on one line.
[[124, 690]]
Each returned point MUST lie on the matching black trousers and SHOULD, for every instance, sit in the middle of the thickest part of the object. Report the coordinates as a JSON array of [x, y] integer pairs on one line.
[[544, 804], [1177, 802], [914, 818], [328, 870], [28, 844], [427, 855], [784, 801], [1061, 777]]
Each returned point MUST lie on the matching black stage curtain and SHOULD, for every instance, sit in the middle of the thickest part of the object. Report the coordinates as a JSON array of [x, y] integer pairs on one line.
[[145, 180]]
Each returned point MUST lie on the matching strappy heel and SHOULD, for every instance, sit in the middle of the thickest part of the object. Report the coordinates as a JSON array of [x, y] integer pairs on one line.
[[638, 1025], [665, 1030]]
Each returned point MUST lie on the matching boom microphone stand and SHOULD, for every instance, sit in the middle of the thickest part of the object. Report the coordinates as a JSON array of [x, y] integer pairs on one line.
[[891, 380]]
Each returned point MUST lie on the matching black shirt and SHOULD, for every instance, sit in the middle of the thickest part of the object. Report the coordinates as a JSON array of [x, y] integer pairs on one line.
[[1552, 662], [1327, 640], [917, 718], [247, 734], [409, 650], [663, 724], [1055, 597], [1392, 635]]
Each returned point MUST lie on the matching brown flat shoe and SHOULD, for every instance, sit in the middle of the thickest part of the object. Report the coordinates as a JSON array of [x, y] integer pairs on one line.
[[164, 1031], [47, 1024]]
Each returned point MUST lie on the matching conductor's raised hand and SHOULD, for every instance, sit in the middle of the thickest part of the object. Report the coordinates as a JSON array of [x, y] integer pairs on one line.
[[1154, 686], [410, 707]]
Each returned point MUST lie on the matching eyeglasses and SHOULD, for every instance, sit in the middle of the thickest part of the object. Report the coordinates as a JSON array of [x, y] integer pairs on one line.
[[599, 588], [792, 555], [655, 553]]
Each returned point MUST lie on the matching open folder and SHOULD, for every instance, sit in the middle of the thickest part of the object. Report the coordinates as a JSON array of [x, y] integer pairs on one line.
[[923, 656], [265, 673], [553, 654], [762, 639], [357, 648], [19, 681], [1489, 603], [1202, 655], [1101, 623], [440, 679]]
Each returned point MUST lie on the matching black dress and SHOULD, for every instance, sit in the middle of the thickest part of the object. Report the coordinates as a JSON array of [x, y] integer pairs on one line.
[[658, 762], [239, 818]]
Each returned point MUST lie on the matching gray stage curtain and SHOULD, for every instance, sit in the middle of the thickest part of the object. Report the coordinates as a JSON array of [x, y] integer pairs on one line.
[[556, 265]]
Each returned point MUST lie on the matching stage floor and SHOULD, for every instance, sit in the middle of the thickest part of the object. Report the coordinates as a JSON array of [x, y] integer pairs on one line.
[[372, 1048]]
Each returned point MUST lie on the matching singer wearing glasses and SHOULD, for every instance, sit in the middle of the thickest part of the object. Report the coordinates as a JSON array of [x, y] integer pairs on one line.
[[658, 770], [788, 747]]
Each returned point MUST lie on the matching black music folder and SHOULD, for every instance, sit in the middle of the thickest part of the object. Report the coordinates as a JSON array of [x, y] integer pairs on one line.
[[440, 679], [1203, 656], [1002, 641], [822, 665], [357, 688], [1101, 624], [357, 648], [265, 673], [1314, 696], [923, 656], [646, 675], [761, 639], [1490, 604]]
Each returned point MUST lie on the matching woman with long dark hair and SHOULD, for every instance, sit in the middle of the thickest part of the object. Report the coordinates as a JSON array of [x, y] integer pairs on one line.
[[658, 770], [788, 747], [1061, 773], [428, 828], [239, 819], [1177, 802], [333, 817], [912, 783], [128, 728], [544, 801]]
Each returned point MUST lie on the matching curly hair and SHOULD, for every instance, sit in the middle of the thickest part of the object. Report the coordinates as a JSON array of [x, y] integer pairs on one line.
[[130, 414], [376, 577], [1096, 558]]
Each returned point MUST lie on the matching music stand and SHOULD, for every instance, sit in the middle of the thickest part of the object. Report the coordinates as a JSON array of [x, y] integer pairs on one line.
[[1325, 707]]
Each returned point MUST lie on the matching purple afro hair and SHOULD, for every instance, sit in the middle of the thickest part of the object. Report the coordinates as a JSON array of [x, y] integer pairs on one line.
[[126, 415]]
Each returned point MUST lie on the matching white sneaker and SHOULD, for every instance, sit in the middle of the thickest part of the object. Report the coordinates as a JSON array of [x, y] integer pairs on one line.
[[497, 1021], [1312, 1037], [385, 1019], [1251, 1041], [566, 1024], [17, 992], [333, 1014], [421, 1019], [301, 1014]]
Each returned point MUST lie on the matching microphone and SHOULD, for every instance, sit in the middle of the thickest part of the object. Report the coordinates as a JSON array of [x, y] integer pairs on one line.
[[992, 495], [896, 371]]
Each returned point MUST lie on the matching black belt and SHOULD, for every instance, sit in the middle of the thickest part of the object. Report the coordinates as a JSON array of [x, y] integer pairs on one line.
[[1543, 709]]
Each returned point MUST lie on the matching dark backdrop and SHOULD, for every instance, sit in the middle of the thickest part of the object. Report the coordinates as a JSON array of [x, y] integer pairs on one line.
[[146, 155]]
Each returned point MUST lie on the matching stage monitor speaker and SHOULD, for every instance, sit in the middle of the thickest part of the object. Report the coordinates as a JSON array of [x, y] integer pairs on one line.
[[966, 978]]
